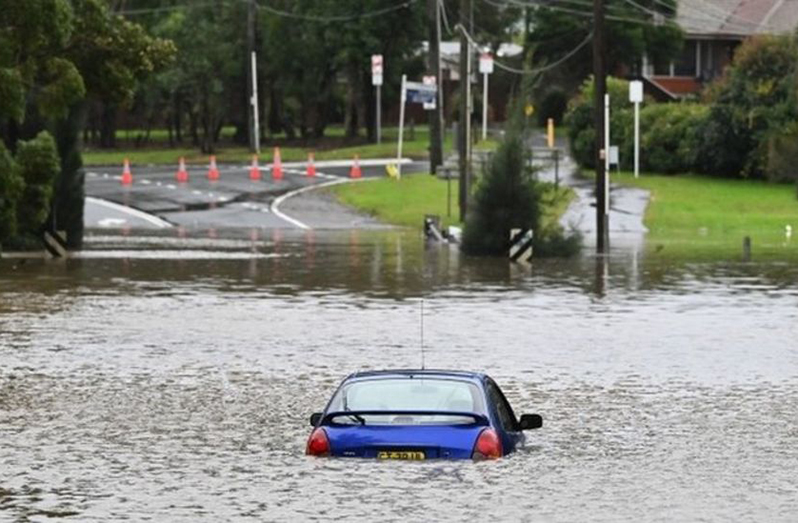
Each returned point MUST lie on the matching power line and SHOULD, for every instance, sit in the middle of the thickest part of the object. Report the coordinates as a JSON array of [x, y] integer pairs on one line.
[[336, 18], [538, 70]]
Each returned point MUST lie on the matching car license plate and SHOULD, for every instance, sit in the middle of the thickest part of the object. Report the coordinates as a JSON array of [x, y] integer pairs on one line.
[[413, 455]]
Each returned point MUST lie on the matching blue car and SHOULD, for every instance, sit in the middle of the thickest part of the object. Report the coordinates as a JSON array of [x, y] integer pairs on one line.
[[418, 415]]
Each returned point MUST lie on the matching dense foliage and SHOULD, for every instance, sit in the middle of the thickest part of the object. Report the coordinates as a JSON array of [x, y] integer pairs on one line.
[[745, 127], [53, 54]]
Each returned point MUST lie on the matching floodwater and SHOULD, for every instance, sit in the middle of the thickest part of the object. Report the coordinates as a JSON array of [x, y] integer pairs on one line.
[[171, 379]]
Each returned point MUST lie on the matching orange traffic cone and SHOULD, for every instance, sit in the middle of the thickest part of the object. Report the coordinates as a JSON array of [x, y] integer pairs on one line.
[[127, 176], [277, 168], [213, 172], [311, 166], [354, 172], [182, 174], [254, 171]]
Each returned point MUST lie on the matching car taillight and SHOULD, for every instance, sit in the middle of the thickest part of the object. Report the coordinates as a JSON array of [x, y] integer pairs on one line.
[[318, 444], [488, 445]]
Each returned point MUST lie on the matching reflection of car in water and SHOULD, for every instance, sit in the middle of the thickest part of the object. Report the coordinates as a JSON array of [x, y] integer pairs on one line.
[[416, 415]]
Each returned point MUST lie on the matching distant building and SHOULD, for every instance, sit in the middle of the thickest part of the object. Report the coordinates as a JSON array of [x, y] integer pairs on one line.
[[713, 30]]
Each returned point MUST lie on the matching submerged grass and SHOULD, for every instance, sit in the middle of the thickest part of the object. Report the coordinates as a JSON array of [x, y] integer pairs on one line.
[[706, 216]]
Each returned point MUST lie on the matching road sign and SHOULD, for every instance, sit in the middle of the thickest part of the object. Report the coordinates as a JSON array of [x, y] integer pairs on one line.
[[636, 91], [486, 63], [376, 69], [376, 64], [420, 93], [529, 110], [429, 80]]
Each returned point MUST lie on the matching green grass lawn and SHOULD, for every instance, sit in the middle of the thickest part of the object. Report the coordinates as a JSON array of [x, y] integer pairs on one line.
[[334, 148], [700, 212], [406, 201]]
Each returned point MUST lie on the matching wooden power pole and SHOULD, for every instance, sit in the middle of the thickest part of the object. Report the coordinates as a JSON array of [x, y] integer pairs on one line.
[[435, 115], [464, 129], [600, 88]]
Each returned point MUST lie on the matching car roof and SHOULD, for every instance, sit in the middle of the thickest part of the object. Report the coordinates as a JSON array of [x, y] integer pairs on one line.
[[408, 373]]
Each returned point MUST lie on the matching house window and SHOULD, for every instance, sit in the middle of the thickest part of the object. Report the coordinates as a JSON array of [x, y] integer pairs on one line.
[[685, 65]]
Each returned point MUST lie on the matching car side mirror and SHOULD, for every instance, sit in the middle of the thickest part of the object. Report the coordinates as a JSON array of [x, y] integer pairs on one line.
[[530, 421], [315, 418]]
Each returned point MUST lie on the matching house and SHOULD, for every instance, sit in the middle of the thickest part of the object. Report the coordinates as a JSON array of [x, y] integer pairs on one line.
[[713, 29]]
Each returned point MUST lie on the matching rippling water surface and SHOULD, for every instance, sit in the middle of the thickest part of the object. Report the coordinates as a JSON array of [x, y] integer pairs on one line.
[[176, 383]]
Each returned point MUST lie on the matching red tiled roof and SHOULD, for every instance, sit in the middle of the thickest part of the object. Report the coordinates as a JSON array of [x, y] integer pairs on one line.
[[676, 85]]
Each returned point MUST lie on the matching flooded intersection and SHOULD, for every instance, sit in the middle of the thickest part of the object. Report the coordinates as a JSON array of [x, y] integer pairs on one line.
[[172, 379]]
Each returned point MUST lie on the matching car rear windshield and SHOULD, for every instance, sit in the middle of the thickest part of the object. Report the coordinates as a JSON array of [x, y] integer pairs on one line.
[[408, 394]]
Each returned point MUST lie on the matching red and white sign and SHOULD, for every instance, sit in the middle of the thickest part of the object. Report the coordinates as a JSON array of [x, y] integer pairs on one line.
[[486, 63], [376, 69]]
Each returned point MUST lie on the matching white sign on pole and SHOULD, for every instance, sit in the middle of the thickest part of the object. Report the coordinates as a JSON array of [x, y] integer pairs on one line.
[[635, 91], [376, 69], [636, 97], [613, 155], [486, 63], [429, 80]]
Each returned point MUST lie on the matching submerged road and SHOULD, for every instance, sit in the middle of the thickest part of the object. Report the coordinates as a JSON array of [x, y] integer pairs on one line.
[[156, 200]]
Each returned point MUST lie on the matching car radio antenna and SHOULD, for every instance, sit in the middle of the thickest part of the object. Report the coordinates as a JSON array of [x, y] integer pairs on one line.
[[422, 333]]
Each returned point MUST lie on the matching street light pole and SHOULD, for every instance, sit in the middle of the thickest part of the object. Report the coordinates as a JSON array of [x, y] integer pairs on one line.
[[601, 155]]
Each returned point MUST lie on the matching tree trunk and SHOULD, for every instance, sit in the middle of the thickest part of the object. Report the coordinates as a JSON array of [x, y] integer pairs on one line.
[[108, 126], [66, 213]]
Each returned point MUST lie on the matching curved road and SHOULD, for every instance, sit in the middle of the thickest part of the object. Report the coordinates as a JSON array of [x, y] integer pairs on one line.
[[155, 200]]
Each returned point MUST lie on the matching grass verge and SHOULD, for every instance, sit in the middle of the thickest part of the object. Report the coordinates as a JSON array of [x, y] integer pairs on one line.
[[334, 148], [406, 201], [700, 213]]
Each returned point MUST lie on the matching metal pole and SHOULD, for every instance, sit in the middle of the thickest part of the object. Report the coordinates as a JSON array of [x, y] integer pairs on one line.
[[485, 107], [252, 118], [637, 139], [379, 113], [606, 153], [436, 126], [254, 101], [599, 75], [557, 168], [401, 128]]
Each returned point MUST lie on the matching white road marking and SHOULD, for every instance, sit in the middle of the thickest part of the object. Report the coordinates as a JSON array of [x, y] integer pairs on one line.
[[154, 220], [145, 182], [278, 201], [170, 186], [112, 222]]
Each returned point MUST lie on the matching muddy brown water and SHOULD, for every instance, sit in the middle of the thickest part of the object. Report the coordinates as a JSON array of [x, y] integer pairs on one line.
[[171, 379]]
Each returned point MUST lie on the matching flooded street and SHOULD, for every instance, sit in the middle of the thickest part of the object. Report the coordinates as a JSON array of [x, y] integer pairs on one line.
[[171, 379]]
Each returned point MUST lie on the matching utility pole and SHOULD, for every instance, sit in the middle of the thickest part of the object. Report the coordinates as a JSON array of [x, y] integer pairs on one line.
[[252, 124], [436, 115], [600, 87], [464, 137]]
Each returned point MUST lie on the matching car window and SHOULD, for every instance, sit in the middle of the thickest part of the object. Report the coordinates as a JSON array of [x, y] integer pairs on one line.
[[403, 394], [503, 408]]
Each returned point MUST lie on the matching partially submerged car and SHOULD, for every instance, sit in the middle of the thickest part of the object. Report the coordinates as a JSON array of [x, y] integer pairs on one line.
[[418, 415]]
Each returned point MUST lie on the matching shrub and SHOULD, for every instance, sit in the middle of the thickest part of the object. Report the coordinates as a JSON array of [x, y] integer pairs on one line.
[[579, 119], [505, 198], [754, 100], [38, 165], [508, 197], [671, 135], [11, 186]]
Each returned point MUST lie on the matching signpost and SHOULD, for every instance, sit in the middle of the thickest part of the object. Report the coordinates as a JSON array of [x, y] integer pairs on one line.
[[486, 68], [413, 92], [429, 80], [376, 81], [636, 97]]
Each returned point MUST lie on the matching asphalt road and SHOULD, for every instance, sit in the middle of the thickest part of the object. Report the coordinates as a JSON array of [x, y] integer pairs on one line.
[[156, 200]]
